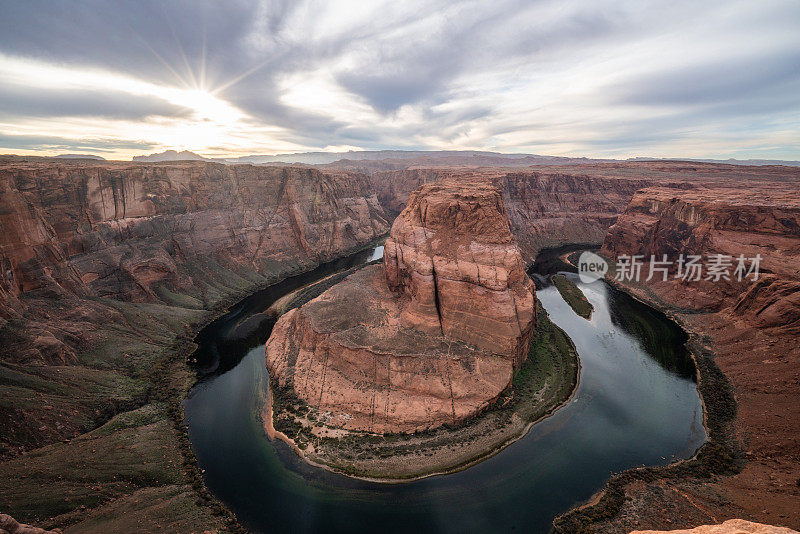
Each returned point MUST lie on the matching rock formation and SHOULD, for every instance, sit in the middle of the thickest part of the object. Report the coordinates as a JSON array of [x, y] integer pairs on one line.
[[750, 329], [431, 337], [732, 222], [144, 232], [452, 254], [9, 525], [545, 208], [731, 526], [553, 205], [81, 241]]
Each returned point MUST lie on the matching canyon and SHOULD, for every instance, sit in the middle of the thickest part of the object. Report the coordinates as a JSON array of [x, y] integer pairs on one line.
[[745, 325], [109, 268], [108, 271]]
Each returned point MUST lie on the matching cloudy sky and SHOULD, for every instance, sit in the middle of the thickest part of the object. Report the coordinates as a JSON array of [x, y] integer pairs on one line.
[[584, 77]]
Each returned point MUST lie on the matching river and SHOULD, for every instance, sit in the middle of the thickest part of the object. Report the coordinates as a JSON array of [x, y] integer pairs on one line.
[[636, 404]]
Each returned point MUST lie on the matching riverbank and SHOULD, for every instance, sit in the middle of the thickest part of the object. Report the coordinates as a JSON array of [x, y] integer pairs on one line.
[[545, 382], [633, 498]]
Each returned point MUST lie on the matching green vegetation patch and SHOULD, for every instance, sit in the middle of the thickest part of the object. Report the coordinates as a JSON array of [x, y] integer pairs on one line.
[[573, 295]]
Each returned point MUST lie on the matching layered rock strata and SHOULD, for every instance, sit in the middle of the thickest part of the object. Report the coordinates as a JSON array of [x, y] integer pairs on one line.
[[553, 205], [729, 222], [152, 232], [103, 265], [430, 337]]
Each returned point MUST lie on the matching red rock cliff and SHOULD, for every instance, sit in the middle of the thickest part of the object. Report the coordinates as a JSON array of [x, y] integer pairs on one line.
[[545, 208], [151, 232], [730, 222], [437, 349], [452, 254]]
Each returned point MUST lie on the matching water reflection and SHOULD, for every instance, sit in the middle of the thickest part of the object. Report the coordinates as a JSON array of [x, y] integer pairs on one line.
[[635, 405]]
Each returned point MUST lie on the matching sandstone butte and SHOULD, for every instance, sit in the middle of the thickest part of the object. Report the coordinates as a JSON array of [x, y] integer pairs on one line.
[[430, 337]]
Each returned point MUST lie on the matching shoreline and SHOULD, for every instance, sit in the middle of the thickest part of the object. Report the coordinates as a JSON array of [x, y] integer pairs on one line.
[[272, 433], [267, 415], [708, 460], [181, 356]]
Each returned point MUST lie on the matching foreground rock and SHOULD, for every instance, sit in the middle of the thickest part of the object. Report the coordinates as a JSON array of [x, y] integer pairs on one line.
[[8, 525], [732, 526], [431, 337]]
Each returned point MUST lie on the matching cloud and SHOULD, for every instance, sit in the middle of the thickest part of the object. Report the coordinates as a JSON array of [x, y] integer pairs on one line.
[[769, 76], [577, 78], [17, 101], [60, 144]]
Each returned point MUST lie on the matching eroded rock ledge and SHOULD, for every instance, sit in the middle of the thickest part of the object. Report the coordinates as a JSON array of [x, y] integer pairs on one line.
[[431, 337]]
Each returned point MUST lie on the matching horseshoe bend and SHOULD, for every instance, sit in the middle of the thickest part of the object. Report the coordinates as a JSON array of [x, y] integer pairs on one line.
[[448, 267]]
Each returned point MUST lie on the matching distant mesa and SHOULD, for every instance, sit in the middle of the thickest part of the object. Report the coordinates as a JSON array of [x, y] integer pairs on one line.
[[80, 156], [170, 155]]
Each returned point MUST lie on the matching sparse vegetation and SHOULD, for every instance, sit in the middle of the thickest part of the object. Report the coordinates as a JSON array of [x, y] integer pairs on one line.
[[573, 295], [543, 382]]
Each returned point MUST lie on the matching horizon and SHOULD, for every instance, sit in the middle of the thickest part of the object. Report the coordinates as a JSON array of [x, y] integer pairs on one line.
[[248, 158], [602, 80]]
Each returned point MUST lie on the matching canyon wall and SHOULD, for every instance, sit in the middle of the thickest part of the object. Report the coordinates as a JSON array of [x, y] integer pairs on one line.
[[106, 266], [748, 329], [167, 233], [107, 271], [731, 222], [430, 337], [545, 208], [553, 205]]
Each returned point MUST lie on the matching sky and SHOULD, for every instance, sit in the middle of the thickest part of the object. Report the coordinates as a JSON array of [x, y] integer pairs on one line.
[[596, 78]]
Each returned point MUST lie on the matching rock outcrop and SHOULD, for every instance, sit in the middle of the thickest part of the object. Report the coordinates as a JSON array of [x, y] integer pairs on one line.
[[452, 255], [553, 205], [545, 208], [91, 253], [9, 525], [730, 222], [748, 328], [731, 526], [430, 337]]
